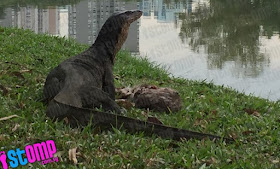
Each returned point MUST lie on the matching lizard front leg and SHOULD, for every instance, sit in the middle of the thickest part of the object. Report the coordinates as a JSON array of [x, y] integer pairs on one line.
[[108, 81]]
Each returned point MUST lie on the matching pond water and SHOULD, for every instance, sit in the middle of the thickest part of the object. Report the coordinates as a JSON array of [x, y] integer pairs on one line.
[[233, 43]]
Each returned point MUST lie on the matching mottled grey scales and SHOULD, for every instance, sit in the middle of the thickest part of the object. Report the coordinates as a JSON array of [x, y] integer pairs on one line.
[[86, 80]]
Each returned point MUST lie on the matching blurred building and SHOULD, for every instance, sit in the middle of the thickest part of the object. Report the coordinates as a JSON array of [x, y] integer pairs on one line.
[[87, 17], [81, 21], [38, 20], [164, 11]]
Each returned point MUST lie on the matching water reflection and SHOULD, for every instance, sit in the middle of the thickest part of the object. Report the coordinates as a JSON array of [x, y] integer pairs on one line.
[[230, 31], [233, 43]]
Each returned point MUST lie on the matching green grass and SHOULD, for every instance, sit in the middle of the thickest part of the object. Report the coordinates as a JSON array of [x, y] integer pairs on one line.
[[26, 59]]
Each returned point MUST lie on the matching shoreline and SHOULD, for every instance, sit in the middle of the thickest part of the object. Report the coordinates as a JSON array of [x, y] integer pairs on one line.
[[25, 60]]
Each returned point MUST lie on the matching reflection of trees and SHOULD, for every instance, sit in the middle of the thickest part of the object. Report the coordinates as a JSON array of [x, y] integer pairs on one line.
[[229, 31]]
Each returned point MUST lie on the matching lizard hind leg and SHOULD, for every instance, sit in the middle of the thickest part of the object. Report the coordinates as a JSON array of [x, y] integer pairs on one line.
[[57, 110], [75, 116], [77, 103], [88, 97]]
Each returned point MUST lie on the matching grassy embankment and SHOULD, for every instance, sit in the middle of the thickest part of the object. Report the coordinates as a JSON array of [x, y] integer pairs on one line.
[[26, 59]]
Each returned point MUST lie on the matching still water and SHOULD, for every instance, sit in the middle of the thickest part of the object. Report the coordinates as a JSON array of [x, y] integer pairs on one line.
[[233, 43]]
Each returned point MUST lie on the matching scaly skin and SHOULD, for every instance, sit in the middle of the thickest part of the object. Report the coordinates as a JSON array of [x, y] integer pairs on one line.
[[86, 80]]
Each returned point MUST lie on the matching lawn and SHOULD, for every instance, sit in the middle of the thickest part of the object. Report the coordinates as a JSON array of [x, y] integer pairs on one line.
[[26, 59]]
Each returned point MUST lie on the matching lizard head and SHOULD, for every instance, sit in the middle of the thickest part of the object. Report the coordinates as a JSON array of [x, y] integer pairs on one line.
[[127, 17], [115, 30]]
